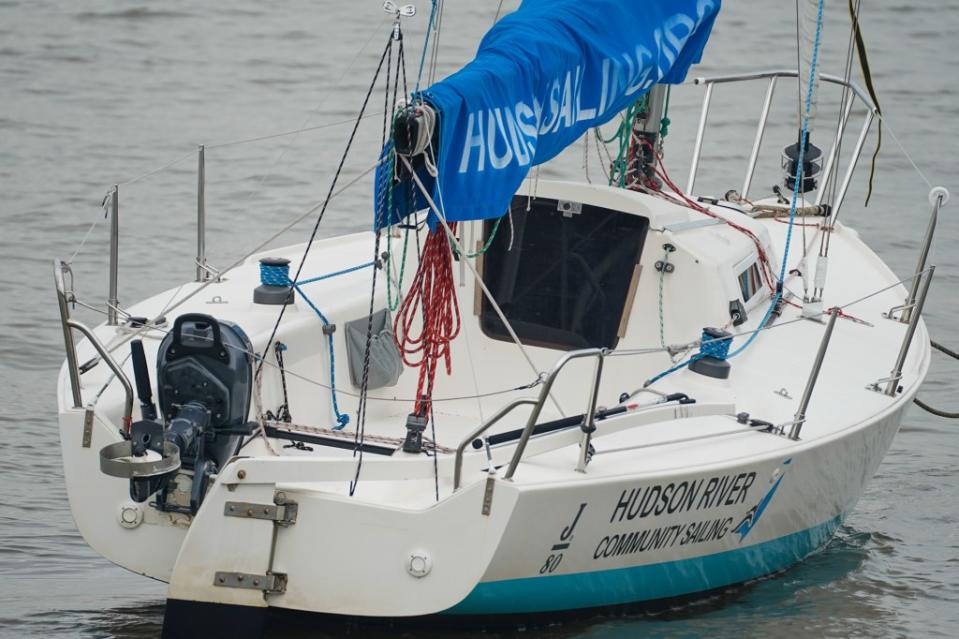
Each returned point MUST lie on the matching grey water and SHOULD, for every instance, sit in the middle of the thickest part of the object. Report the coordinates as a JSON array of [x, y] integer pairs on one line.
[[104, 92]]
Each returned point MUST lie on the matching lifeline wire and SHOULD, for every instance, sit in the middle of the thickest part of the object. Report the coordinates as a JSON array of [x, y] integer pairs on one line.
[[616, 353]]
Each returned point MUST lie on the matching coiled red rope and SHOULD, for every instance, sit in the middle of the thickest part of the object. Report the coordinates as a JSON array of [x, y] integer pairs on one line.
[[432, 300]]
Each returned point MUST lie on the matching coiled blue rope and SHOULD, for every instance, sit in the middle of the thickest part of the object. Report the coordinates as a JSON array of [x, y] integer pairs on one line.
[[709, 346], [279, 275]]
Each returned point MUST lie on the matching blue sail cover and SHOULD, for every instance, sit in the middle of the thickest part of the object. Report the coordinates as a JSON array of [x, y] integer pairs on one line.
[[543, 76]]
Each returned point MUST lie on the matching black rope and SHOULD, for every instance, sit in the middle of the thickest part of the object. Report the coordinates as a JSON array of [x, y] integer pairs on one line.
[[942, 349], [329, 195], [316, 226], [926, 407], [867, 78], [283, 412], [436, 469], [436, 463], [360, 434], [935, 411]]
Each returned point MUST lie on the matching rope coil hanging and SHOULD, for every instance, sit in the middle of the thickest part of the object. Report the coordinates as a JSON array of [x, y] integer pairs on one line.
[[431, 300]]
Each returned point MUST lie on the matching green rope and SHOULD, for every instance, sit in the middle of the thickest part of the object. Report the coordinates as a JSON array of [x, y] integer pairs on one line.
[[623, 136], [489, 241], [665, 122], [391, 302]]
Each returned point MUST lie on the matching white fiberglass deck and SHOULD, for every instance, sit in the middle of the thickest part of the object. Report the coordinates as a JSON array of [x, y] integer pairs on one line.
[[767, 379]]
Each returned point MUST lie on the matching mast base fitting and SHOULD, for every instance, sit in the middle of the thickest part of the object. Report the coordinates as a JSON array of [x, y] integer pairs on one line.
[[415, 425]]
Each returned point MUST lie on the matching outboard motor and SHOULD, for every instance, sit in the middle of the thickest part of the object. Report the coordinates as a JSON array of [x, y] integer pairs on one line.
[[204, 379]]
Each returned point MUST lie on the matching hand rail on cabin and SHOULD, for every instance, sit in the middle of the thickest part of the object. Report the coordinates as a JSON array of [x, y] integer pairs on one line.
[[772, 76], [545, 393], [503, 412]]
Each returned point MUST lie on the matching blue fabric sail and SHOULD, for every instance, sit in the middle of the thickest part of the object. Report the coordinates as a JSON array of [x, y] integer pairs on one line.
[[542, 76]]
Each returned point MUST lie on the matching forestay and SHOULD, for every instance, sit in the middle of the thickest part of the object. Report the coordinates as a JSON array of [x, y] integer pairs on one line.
[[542, 76]]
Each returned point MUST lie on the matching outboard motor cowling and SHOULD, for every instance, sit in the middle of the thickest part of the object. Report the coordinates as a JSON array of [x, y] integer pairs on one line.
[[208, 362], [205, 382]]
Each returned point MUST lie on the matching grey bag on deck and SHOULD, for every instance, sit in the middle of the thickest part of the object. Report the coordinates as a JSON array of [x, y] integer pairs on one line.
[[386, 364]]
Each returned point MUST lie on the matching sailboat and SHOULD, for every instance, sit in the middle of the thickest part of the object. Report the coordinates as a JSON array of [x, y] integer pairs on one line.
[[512, 397]]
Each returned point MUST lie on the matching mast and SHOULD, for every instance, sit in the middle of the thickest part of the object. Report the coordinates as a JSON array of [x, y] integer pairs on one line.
[[646, 141]]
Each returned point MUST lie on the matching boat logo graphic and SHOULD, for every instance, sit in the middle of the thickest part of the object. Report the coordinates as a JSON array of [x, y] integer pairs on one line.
[[752, 517]]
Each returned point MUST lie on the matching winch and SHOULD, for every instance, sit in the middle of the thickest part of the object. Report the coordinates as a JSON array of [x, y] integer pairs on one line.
[[204, 382]]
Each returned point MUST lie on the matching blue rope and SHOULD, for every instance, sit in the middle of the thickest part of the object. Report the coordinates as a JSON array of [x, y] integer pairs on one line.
[[717, 347], [803, 140], [341, 418], [708, 345], [279, 275], [319, 278], [802, 145], [426, 42], [275, 274]]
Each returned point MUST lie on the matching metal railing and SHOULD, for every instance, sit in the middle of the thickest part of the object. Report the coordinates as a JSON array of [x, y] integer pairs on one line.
[[69, 325], [544, 393], [503, 412], [800, 417], [113, 303], [915, 311], [589, 417], [855, 92], [202, 270], [938, 197]]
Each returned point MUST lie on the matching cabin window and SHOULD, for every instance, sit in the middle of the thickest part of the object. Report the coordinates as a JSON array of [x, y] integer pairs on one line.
[[750, 281], [564, 275]]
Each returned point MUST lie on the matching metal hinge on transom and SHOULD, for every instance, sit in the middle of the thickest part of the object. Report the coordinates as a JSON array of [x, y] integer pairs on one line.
[[271, 584], [283, 514]]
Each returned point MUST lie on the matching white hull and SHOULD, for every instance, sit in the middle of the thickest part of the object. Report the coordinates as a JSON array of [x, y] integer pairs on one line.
[[508, 562]]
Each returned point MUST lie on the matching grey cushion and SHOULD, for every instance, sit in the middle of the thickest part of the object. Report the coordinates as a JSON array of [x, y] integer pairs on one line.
[[386, 363]]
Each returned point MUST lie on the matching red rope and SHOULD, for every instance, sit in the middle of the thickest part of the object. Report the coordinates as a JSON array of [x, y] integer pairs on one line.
[[432, 298]]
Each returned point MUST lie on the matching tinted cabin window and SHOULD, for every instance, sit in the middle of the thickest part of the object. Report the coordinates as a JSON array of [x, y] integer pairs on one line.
[[750, 281], [566, 280]]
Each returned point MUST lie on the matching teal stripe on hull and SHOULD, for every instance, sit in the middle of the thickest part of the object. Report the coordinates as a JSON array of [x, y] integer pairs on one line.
[[643, 583]]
